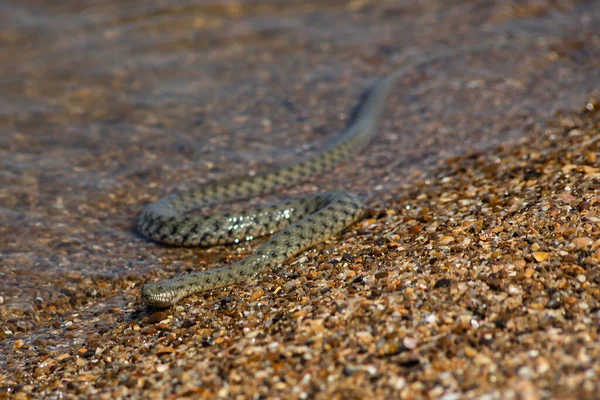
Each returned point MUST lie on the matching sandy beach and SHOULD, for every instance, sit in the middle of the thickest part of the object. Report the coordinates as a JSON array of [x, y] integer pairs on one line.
[[474, 273]]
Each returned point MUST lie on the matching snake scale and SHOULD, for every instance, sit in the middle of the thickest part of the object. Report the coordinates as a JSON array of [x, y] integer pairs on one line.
[[302, 222]]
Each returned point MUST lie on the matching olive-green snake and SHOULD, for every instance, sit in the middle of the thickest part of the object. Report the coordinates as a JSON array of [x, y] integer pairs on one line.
[[305, 221]]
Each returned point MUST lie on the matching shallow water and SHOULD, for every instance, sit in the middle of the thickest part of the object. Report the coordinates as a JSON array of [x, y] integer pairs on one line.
[[108, 105]]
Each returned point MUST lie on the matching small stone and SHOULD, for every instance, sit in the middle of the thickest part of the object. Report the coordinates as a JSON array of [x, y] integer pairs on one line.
[[583, 242], [540, 256], [398, 382], [388, 349], [445, 240], [589, 170], [149, 330], [415, 229], [410, 343], [18, 344], [364, 337], [158, 317], [543, 365], [162, 368], [590, 261], [40, 371], [436, 254], [381, 275], [257, 294], [443, 283], [583, 205], [470, 351], [513, 290], [529, 273], [165, 350]]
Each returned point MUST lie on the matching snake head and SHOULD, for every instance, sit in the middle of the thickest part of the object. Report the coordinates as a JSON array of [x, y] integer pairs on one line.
[[158, 295]]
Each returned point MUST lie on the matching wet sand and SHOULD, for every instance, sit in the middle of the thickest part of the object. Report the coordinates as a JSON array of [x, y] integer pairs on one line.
[[474, 273]]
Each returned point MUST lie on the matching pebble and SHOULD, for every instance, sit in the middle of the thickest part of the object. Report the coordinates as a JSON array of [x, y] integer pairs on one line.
[[257, 294], [164, 350], [445, 240], [583, 242], [158, 317]]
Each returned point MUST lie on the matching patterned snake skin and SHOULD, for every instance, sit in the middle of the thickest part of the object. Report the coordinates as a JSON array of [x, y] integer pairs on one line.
[[302, 222]]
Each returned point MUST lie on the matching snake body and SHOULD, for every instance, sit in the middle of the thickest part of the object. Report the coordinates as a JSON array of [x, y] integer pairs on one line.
[[302, 222]]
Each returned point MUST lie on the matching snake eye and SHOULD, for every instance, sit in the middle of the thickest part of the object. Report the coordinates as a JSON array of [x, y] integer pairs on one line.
[[160, 287]]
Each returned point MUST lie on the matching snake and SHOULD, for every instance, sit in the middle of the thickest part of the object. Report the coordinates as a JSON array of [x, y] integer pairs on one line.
[[295, 224]]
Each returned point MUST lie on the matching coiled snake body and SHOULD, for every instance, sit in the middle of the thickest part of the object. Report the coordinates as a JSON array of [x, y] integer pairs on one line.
[[303, 222]]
